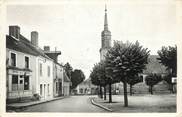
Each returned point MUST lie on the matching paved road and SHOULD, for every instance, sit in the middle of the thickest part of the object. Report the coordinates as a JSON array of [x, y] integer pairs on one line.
[[70, 104]]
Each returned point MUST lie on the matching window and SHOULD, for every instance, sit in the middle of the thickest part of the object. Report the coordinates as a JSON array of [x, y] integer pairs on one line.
[[40, 69], [13, 59], [14, 82], [26, 62], [40, 89], [26, 83], [48, 71]]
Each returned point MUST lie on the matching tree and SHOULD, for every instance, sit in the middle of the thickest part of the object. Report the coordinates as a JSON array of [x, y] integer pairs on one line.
[[125, 60], [98, 77], [132, 81], [68, 69], [77, 76], [95, 78], [168, 57], [151, 80]]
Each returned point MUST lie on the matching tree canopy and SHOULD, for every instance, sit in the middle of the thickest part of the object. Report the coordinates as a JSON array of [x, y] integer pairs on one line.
[[168, 57], [151, 80], [77, 76], [125, 60], [68, 69], [98, 75]]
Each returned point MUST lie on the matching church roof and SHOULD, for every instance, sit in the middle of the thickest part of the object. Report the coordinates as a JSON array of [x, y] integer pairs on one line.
[[154, 66]]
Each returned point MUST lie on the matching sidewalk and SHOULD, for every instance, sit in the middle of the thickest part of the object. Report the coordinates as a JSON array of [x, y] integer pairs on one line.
[[140, 103], [26, 104]]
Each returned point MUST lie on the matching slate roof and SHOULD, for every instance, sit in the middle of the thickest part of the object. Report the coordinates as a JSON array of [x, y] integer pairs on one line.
[[24, 46], [154, 66], [13, 44]]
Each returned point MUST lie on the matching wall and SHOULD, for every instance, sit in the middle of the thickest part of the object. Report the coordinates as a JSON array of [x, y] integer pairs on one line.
[[57, 73], [20, 58], [44, 79]]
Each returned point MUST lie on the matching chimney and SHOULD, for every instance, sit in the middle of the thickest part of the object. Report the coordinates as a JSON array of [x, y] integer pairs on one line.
[[46, 48], [14, 31], [34, 38]]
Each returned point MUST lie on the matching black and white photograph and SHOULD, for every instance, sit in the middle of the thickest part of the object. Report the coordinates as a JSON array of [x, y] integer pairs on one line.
[[91, 56]]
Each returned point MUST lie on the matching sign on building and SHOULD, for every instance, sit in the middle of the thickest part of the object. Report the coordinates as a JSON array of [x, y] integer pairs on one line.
[[174, 79]]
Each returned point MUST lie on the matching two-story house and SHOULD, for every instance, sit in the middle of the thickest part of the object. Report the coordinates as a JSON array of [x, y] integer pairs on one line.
[[29, 70], [61, 82], [20, 66], [57, 71]]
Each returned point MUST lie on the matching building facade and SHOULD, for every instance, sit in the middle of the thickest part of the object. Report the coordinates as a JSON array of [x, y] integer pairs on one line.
[[29, 70], [61, 82], [57, 71], [19, 74], [86, 87], [66, 84]]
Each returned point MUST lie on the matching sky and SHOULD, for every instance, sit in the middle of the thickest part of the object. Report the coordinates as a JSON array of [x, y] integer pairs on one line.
[[75, 28]]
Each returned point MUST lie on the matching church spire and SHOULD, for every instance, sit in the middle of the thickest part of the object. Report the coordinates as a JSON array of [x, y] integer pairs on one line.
[[105, 19], [105, 38]]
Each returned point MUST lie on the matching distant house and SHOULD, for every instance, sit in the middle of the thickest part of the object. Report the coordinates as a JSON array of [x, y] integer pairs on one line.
[[29, 70], [86, 87]]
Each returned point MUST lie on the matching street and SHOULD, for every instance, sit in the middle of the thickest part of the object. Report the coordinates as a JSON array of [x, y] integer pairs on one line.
[[70, 104]]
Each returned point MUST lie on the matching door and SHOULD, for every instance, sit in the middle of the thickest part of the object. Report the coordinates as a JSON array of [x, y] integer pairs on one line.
[[21, 83], [26, 83], [44, 91]]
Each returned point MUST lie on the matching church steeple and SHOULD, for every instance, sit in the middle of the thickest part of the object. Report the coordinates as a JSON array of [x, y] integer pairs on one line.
[[105, 19], [105, 37]]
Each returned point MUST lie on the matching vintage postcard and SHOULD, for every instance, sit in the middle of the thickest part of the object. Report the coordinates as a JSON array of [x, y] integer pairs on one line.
[[90, 58]]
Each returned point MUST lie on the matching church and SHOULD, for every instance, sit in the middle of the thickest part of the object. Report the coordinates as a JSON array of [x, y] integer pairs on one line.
[[153, 65]]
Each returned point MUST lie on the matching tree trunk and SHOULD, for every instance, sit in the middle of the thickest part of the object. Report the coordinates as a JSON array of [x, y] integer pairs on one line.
[[151, 90], [104, 92], [172, 88], [101, 95], [131, 90], [125, 94], [110, 94]]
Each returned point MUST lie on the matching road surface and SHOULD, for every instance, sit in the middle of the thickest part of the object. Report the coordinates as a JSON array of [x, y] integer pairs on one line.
[[70, 104]]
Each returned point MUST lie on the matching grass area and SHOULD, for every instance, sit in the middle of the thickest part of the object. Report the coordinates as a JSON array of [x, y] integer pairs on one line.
[[142, 103]]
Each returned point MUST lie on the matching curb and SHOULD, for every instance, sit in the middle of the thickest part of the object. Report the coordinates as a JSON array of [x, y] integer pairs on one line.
[[19, 107], [99, 105]]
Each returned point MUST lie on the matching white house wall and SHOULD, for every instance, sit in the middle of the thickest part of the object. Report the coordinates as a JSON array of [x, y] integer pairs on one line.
[[20, 63], [44, 79]]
